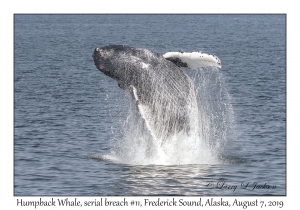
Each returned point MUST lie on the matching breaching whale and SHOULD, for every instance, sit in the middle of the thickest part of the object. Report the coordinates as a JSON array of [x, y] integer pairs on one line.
[[162, 91]]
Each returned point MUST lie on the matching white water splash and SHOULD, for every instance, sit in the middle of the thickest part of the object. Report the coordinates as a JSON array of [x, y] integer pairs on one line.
[[211, 121]]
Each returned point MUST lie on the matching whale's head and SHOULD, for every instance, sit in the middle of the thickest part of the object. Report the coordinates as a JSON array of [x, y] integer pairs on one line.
[[104, 61], [115, 60], [123, 63]]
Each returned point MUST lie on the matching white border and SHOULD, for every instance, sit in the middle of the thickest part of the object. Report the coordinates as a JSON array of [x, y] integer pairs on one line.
[[8, 8]]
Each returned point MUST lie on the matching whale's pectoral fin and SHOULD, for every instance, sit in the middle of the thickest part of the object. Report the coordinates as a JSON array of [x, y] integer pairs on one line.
[[193, 60], [144, 111]]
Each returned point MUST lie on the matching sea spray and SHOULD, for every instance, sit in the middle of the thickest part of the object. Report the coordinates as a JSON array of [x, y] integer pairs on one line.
[[218, 126], [211, 123]]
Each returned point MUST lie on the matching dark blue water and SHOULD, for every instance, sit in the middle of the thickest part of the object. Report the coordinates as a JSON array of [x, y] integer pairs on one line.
[[68, 116]]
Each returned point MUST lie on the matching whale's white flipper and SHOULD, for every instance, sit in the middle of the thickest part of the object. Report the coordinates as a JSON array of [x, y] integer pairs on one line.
[[193, 60]]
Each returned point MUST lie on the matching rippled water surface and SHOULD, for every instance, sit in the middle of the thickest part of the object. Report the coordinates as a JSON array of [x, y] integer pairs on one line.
[[70, 119]]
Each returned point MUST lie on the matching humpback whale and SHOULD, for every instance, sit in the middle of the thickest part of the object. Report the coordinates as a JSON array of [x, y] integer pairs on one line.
[[162, 91]]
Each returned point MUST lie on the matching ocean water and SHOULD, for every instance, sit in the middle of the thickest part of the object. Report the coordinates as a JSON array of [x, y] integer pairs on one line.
[[72, 123]]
